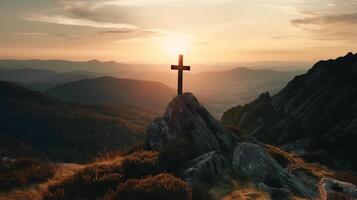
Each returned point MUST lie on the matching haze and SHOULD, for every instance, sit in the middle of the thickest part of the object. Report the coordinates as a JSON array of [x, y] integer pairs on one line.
[[154, 31]]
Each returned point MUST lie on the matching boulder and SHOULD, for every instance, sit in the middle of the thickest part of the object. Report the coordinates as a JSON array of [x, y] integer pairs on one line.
[[185, 118], [206, 168], [333, 189], [255, 163], [276, 193]]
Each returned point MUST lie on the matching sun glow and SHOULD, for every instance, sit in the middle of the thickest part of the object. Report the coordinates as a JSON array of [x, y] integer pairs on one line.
[[176, 45]]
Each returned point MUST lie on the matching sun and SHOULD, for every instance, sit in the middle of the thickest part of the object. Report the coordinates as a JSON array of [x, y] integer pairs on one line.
[[177, 44]]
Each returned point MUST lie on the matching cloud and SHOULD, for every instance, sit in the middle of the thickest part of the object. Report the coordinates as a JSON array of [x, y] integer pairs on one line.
[[350, 18], [64, 20], [30, 34], [150, 2], [44, 34], [140, 31], [115, 32], [329, 26]]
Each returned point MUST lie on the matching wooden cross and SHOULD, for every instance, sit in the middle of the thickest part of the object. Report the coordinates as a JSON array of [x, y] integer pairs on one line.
[[180, 67]]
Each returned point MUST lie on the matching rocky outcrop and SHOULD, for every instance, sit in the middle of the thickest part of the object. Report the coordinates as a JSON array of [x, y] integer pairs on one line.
[[206, 168], [254, 162], [334, 189], [185, 118], [319, 107]]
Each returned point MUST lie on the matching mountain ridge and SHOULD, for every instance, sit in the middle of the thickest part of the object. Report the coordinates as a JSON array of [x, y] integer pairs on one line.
[[315, 112], [114, 91], [33, 124]]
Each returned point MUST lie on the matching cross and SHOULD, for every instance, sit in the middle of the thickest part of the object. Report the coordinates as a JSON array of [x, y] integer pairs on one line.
[[180, 67]]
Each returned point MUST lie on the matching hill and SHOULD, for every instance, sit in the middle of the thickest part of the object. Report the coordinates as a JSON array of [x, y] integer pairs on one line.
[[62, 66], [39, 79], [114, 92], [314, 115], [218, 86], [33, 124], [189, 155], [220, 90]]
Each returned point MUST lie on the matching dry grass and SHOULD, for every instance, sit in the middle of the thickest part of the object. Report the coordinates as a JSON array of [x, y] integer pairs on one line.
[[231, 187], [247, 194], [34, 192], [295, 162]]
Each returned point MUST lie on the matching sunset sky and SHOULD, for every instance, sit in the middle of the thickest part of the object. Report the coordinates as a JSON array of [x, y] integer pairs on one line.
[[150, 31]]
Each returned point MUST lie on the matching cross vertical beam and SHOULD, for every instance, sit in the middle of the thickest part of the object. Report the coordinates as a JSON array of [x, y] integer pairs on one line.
[[180, 76], [180, 67]]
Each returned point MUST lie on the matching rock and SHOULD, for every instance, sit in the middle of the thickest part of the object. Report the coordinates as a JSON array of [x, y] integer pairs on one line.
[[186, 118], [205, 168], [255, 163], [334, 189], [299, 146], [316, 110], [276, 193]]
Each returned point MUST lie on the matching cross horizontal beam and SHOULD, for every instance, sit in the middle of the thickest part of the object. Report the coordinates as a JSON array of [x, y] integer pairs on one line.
[[177, 67]]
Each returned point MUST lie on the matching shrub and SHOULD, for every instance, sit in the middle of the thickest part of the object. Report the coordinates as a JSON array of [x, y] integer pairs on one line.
[[162, 186], [176, 155], [201, 192], [24, 171], [138, 146], [89, 183], [140, 164]]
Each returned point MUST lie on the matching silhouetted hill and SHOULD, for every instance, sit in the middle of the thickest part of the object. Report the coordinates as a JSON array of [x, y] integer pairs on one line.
[[113, 91], [316, 112], [66, 66], [41, 80], [33, 124], [218, 90]]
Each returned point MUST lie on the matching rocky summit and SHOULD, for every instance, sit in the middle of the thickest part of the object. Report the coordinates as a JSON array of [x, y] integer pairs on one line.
[[315, 115], [186, 119], [218, 153]]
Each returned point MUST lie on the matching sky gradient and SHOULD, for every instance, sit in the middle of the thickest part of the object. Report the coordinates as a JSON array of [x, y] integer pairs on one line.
[[148, 31]]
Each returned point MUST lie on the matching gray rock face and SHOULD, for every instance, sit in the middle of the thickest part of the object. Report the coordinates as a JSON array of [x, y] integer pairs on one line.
[[320, 105], [333, 188], [186, 118], [206, 168], [253, 161], [276, 193]]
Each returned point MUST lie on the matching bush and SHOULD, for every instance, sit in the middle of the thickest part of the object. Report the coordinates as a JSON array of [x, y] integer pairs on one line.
[[162, 186], [201, 192], [138, 146], [89, 183], [140, 164], [176, 155], [24, 171]]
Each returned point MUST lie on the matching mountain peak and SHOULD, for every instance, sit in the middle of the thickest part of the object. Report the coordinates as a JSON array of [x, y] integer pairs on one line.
[[186, 119], [94, 61]]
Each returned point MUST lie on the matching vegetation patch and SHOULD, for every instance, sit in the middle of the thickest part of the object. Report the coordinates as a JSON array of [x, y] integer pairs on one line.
[[140, 164], [23, 171], [139, 173], [161, 186], [90, 183], [174, 156]]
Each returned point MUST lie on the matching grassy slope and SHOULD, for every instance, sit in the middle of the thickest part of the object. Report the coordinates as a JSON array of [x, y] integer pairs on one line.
[[34, 124]]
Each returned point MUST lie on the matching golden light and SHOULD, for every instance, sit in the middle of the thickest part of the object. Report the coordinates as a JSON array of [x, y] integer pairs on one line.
[[176, 45]]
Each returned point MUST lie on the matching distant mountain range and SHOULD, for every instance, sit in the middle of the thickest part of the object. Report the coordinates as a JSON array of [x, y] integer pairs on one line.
[[314, 115], [33, 124], [114, 92], [41, 80], [218, 90], [62, 66]]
